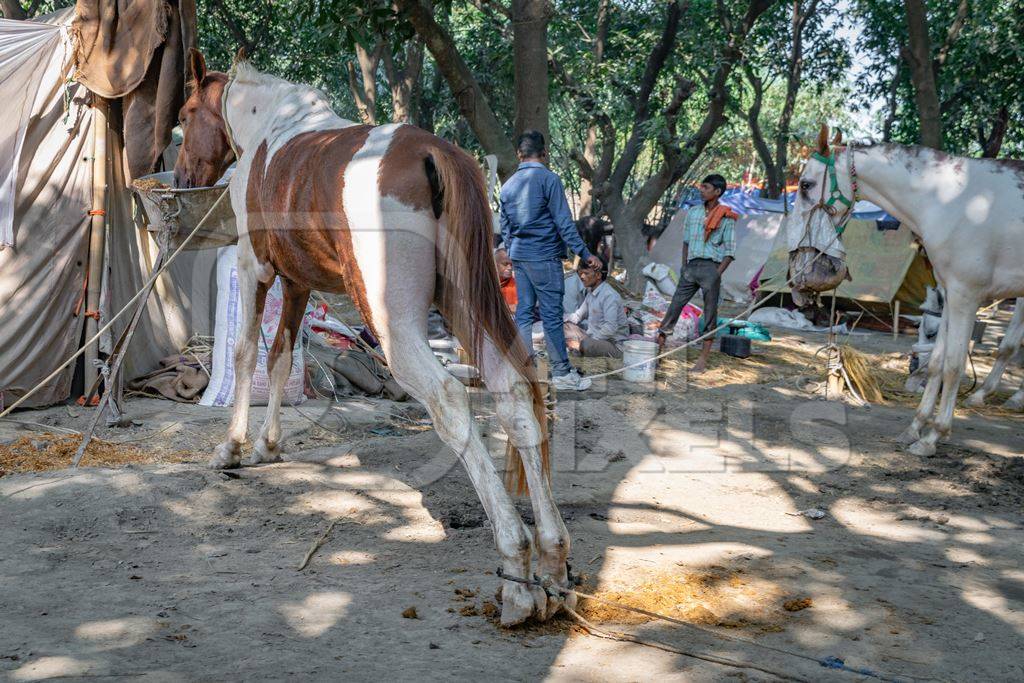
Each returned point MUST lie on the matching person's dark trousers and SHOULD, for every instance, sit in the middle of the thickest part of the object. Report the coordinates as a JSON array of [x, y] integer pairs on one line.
[[702, 274], [541, 284]]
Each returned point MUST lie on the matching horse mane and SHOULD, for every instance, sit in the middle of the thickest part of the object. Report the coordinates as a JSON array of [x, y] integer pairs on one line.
[[309, 102], [245, 73]]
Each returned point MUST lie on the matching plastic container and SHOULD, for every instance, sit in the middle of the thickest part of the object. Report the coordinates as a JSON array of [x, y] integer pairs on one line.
[[735, 346], [638, 351]]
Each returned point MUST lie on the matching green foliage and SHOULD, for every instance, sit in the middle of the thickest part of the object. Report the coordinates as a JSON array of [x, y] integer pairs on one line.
[[980, 74], [313, 42]]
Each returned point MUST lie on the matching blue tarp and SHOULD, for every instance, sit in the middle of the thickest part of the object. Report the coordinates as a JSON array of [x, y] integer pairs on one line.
[[750, 203]]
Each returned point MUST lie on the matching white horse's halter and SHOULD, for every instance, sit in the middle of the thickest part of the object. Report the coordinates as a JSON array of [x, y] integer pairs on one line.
[[835, 195]]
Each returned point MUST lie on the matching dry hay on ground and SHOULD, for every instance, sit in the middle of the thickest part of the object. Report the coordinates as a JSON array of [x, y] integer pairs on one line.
[[795, 363], [713, 597], [56, 451]]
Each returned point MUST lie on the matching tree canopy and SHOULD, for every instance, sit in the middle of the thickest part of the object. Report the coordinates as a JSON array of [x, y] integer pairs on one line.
[[640, 97]]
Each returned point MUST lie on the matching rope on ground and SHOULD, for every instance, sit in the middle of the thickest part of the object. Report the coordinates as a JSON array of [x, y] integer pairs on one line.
[[831, 662], [714, 659], [711, 333], [167, 262], [44, 426]]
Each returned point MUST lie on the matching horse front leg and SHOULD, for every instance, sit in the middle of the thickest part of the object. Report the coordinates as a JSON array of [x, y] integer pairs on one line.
[[957, 338], [931, 389], [279, 365], [252, 294]]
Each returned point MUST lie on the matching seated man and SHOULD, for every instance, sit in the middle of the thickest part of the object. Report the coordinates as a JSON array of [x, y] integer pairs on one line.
[[506, 277], [598, 327]]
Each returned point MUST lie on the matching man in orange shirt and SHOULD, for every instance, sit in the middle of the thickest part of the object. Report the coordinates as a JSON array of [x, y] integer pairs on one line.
[[506, 277]]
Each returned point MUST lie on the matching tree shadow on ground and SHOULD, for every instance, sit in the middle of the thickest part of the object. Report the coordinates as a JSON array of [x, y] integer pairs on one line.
[[180, 573]]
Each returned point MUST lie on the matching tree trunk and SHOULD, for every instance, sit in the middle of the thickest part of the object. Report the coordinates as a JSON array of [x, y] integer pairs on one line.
[[468, 95], [757, 135], [364, 88], [428, 103], [892, 103], [530, 56], [630, 241], [922, 75], [590, 145], [793, 76], [402, 80], [677, 161], [992, 143], [13, 9]]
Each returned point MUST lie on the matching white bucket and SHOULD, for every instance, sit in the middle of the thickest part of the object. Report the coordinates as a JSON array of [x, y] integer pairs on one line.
[[638, 351]]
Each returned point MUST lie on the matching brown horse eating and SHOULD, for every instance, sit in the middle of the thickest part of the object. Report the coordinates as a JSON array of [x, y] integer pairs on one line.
[[399, 219]]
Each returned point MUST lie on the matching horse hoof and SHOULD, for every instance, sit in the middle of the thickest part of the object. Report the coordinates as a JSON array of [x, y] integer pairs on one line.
[[517, 604], [976, 400], [910, 435], [1014, 403], [225, 456], [263, 452], [922, 447]]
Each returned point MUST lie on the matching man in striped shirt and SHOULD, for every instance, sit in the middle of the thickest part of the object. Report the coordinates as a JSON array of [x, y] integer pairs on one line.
[[709, 246]]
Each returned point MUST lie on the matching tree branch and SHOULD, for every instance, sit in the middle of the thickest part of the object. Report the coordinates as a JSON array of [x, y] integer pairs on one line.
[[754, 122], [470, 98], [642, 102], [234, 28], [953, 33]]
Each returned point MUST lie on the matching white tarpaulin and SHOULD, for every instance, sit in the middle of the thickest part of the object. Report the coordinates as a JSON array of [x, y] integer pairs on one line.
[[26, 50], [755, 236], [42, 276]]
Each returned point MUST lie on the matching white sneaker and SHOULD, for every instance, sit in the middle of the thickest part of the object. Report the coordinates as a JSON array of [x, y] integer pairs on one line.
[[571, 381]]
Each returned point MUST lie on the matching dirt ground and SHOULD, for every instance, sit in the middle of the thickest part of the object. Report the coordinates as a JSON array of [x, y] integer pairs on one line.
[[679, 498]]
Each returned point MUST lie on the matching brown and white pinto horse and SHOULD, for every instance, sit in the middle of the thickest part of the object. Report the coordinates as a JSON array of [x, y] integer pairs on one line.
[[399, 219]]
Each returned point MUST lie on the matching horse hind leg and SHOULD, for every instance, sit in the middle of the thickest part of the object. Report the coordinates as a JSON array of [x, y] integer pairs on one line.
[[1007, 348], [513, 400], [447, 401], [1016, 402], [252, 294], [279, 364]]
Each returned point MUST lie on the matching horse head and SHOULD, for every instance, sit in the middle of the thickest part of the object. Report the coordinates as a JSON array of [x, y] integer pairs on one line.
[[205, 151], [593, 231], [824, 204]]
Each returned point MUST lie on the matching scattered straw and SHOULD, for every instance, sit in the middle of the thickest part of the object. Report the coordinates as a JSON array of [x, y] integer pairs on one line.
[[146, 184], [716, 597], [55, 451], [859, 370]]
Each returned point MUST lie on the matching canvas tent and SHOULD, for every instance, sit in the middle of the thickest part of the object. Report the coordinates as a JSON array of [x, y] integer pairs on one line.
[[755, 235], [886, 266], [46, 179]]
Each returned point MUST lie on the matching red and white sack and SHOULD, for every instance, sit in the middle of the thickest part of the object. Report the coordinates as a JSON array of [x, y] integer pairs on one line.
[[221, 390]]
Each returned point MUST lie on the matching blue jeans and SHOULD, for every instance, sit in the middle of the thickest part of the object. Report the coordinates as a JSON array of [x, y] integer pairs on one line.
[[541, 284]]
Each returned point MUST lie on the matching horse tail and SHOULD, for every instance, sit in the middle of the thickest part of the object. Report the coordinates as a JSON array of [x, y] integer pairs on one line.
[[469, 297]]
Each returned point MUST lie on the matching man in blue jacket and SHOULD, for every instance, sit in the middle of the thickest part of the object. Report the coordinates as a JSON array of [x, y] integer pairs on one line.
[[536, 227]]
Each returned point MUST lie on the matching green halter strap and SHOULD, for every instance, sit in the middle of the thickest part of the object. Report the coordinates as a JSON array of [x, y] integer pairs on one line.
[[834, 193]]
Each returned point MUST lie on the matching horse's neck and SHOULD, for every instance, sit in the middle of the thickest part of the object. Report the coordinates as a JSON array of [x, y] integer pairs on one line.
[[291, 113], [889, 183]]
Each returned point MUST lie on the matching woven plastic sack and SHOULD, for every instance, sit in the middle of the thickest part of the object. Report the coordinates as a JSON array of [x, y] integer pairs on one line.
[[221, 390]]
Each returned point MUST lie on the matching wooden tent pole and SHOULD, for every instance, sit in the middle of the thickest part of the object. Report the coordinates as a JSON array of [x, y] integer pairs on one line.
[[97, 236]]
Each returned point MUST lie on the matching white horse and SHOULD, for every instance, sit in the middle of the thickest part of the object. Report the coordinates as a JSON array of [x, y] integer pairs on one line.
[[968, 214], [1010, 345], [399, 219]]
